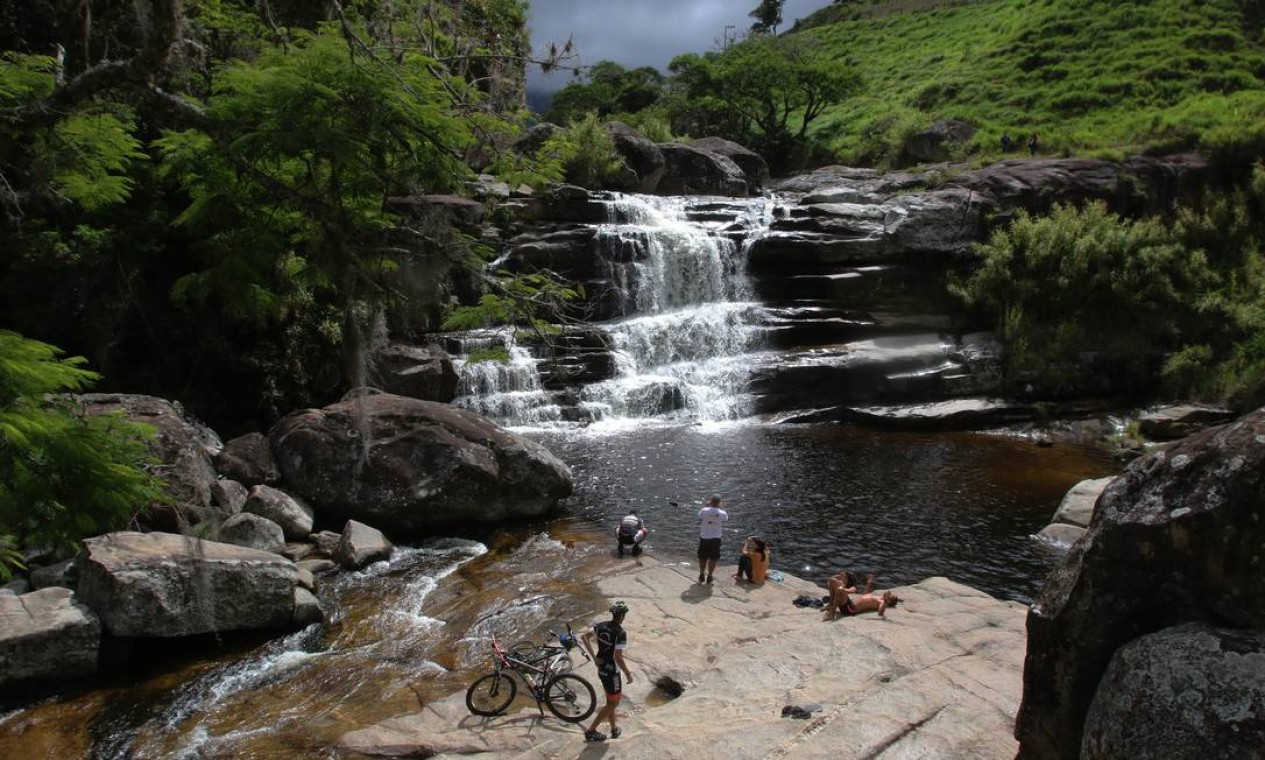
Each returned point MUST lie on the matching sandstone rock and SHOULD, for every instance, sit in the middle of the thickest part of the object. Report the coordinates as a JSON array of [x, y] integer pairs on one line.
[[641, 155], [306, 579], [294, 517], [692, 171], [410, 465], [847, 184], [184, 448], [297, 550], [754, 168], [16, 587], [424, 372], [1139, 184], [1061, 535], [253, 531], [941, 141], [1176, 538], [228, 496], [315, 566], [938, 678], [326, 542], [465, 213], [248, 459], [361, 545], [1077, 506], [163, 585], [46, 636], [536, 137], [1175, 422], [1184, 693], [307, 609]]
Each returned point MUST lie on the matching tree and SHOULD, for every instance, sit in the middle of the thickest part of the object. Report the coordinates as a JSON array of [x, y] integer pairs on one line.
[[63, 475], [289, 173], [764, 92], [609, 89], [768, 16]]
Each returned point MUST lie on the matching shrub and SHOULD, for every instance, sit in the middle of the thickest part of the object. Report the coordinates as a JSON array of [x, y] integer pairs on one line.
[[587, 152]]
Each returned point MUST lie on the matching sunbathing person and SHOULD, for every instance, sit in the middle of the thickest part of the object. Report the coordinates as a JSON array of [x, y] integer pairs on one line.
[[849, 582], [842, 603]]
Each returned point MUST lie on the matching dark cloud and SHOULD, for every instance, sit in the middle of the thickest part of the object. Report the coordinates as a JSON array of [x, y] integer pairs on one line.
[[642, 32]]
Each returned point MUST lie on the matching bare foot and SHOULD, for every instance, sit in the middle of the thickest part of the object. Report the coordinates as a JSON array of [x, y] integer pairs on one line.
[[828, 616]]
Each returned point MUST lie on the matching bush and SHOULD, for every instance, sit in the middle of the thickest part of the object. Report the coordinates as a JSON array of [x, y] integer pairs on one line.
[[587, 152], [1083, 288]]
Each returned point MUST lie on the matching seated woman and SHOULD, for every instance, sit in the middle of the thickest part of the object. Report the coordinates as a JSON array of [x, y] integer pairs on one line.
[[753, 564], [841, 603]]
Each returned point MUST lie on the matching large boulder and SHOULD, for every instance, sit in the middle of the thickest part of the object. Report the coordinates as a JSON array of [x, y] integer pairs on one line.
[[941, 141], [183, 447], [164, 585], [753, 165], [409, 465], [1176, 538], [693, 171], [1184, 693], [641, 156], [424, 372], [45, 636]]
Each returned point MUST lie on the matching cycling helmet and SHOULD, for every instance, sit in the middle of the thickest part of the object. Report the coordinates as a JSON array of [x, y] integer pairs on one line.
[[619, 608]]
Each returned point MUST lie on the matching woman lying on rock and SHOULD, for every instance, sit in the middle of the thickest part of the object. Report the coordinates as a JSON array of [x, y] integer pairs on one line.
[[843, 602]]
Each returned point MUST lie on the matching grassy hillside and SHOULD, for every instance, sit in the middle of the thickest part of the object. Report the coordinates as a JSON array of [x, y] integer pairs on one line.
[[1089, 76]]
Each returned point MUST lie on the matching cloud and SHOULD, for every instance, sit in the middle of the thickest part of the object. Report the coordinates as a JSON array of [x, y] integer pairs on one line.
[[642, 32]]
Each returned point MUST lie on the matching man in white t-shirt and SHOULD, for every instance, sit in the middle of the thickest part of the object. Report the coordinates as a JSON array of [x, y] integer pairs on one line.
[[711, 518]]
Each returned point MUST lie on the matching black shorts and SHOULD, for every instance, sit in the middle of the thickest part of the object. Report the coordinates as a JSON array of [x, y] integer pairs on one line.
[[612, 683], [709, 548]]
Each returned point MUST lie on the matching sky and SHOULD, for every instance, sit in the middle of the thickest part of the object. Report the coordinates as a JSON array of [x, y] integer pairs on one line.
[[636, 33]]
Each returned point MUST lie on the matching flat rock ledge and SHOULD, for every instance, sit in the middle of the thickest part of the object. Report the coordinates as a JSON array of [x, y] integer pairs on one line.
[[940, 677]]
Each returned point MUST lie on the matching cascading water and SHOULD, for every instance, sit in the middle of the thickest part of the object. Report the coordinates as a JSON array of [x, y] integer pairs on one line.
[[686, 329], [509, 391]]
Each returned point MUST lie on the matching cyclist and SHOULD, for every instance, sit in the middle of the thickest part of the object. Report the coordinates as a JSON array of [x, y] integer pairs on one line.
[[611, 641], [631, 531]]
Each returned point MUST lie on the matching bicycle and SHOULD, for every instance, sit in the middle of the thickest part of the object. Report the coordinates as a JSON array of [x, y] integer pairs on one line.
[[555, 658], [567, 695]]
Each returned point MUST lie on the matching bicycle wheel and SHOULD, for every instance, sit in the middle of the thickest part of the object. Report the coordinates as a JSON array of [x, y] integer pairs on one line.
[[491, 694], [570, 697]]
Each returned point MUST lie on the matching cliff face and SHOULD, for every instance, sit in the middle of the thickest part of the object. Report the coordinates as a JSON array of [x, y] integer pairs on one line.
[[938, 677]]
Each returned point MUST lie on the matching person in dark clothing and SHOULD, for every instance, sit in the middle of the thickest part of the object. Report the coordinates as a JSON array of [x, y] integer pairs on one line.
[[1033, 144], [1006, 142], [611, 640]]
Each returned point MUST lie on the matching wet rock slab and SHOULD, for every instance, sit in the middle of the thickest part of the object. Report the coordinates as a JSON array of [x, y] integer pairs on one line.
[[940, 677]]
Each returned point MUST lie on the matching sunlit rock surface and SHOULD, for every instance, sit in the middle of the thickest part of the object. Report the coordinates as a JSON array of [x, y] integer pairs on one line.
[[938, 678], [160, 584]]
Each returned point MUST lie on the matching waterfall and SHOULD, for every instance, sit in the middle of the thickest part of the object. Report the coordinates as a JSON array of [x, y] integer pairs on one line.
[[690, 322], [507, 391], [686, 325]]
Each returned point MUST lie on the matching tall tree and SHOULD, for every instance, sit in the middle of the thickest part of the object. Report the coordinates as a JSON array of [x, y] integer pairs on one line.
[[768, 16]]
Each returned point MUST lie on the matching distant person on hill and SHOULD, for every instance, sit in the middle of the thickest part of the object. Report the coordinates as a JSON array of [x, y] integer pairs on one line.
[[631, 531], [710, 520], [1034, 144], [844, 604], [1006, 142]]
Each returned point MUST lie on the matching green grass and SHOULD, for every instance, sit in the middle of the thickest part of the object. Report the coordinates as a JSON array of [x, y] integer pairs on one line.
[[1091, 77]]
